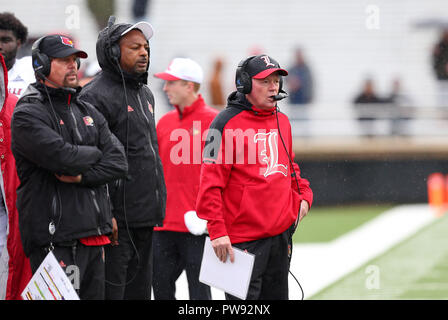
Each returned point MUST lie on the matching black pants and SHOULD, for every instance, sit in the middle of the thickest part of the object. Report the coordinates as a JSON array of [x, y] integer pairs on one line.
[[174, 252], [88, 260], [269, 280], [129, 265]]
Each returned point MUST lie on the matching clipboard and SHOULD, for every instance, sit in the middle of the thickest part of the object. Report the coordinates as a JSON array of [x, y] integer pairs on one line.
[[232, 278]]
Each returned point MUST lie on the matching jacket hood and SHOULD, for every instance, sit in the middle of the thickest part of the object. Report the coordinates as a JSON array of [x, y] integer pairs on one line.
[[238, 100], [106, 38]]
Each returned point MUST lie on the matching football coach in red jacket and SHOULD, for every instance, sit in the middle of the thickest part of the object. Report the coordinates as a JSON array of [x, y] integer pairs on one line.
[[251, 192]]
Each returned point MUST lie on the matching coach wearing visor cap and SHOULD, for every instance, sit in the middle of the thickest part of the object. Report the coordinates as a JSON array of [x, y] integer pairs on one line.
[[120, 92]]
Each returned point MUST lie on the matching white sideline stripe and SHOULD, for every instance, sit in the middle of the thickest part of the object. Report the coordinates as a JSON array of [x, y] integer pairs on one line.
[[317, 265]]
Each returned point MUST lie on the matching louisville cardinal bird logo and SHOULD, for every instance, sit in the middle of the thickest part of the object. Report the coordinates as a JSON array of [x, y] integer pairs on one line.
[[67, 41], [88, 121], [269, 153]]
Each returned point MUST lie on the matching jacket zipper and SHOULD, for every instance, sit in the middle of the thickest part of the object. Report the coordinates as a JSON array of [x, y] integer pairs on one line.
[[54, 221], [53, 206], [97, 207], [150, 143], [78, 134], [141, 108]]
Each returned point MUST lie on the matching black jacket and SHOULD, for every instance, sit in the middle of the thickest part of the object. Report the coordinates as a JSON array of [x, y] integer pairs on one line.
[[62, 136], [131, 119]]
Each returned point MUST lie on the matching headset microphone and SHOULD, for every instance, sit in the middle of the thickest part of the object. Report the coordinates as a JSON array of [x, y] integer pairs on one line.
[[280, 96], [67, 89]]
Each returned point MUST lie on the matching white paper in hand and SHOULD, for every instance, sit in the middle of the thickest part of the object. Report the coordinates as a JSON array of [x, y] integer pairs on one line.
[[49, 282], [233, 278]]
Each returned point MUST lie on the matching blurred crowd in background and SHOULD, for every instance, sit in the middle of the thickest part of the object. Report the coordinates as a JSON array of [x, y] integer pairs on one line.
[[398, 104]]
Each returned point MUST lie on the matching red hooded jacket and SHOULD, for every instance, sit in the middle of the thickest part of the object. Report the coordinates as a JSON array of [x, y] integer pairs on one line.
[[19, 273], [247, 188], [181, 138]]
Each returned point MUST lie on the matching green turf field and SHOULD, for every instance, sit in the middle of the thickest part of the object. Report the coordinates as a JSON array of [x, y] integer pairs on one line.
[[324, 224], [416, 268]]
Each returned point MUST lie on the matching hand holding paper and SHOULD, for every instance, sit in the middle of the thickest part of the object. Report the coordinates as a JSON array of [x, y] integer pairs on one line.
[[222, 246], [233, 278]]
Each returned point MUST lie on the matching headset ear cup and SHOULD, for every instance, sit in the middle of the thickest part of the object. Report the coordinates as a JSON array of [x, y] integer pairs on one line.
[[280, 87], [243, 81], [47, 64], [115, 52], [41, 64], [238, 81], [78, 63], [247, 82]]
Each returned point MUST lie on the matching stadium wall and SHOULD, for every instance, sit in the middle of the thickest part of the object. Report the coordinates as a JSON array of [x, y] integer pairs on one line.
[[370, 180]]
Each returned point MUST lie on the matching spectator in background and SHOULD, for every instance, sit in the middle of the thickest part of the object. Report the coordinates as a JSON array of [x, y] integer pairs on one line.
[[396, 95], [216, 91], [440, 66], [300, 81], [179, 243], [368, 94], [399, 114], [20, 71], [101, 10], [139, 9], [367, 115]]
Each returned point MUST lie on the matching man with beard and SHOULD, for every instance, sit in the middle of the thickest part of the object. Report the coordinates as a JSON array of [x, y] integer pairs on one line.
[[13, 34], [65, 155], [121, 94]]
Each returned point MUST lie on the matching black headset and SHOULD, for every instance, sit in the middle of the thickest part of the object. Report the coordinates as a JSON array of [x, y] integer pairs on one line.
[[113, 49], [41, 62], [243, 80]]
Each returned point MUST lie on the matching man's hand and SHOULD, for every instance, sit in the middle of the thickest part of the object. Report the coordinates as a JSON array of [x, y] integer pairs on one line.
[[304, 208], [114, 236], [222, 246], [69, 179]]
